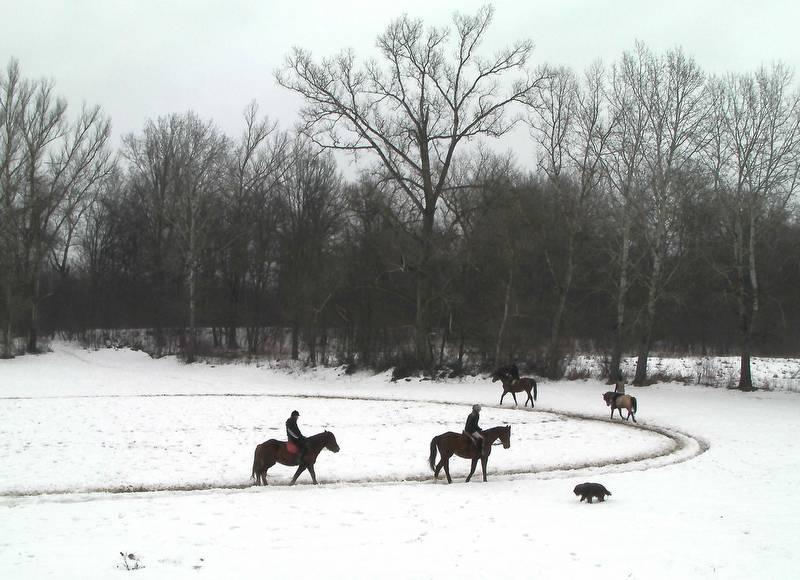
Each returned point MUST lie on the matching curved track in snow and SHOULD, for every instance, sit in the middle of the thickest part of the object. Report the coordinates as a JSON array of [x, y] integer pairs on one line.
[[683, 447]]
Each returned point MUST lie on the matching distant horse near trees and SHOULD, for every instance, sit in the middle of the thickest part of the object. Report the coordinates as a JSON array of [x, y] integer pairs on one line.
[[618, 401], [512, 384], [451, 443], [273, 451]]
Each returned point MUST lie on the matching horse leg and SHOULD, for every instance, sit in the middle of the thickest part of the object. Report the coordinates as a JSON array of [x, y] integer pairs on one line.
[[438, 469], [612, 413], [530, 398], [297, 473], [313, 474], [484, 461], [632, 416], [261, 476], [501, 396], [447, 469], [472, 469], [515, 398]]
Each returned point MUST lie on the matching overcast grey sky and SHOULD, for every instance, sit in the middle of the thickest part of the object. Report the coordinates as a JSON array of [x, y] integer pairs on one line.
[[139, 59]]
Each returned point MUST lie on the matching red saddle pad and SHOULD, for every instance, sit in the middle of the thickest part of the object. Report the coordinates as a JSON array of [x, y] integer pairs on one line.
[[291, 447]]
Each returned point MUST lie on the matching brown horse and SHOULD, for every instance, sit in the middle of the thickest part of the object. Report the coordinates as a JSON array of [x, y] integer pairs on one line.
[[273, 451], [516, 385], [618, 402], [450, 443]]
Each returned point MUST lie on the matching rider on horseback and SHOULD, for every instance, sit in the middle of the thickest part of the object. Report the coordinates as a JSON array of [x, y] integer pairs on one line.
[[473, 431], [295, 436]]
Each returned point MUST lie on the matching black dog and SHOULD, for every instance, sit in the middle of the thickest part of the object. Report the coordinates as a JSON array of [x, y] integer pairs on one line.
[[590, 490]]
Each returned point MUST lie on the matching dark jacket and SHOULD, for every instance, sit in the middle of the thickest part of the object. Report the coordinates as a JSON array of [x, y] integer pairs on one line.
[[472, 423], [293, 431]]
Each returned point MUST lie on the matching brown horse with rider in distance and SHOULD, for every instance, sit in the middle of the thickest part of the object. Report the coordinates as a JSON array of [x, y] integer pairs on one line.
[[273, 451], [515, 384], [619, 401], [451, 443]]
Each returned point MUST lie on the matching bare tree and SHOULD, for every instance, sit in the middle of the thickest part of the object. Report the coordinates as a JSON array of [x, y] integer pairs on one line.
[[312, 209], [175, 168], [571, 125], [50, 169], [623, 168], [753, 155], [14, 94], [256, 165], [198, 170], [671, 88], [150, 158], [413, 112]]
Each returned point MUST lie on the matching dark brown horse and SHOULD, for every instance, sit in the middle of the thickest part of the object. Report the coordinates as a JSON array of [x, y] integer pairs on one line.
[[516, 385], [451, 443], [617, 402], [273, 451]]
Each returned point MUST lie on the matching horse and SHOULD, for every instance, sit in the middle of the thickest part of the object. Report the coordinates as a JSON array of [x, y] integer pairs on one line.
[[451, 443], [273, 451], [618, 402], [516, 385]]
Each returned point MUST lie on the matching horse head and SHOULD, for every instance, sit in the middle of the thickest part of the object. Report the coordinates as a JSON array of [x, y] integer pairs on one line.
[[502, 375], [330, 442], [608, 397], [505, 436]]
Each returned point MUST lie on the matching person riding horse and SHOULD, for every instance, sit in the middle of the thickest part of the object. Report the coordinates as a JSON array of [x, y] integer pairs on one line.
[[619, 389], [295, 436], [473, 430]]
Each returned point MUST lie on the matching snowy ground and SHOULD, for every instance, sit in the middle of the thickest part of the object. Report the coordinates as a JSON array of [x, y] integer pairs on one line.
[[706, 489]]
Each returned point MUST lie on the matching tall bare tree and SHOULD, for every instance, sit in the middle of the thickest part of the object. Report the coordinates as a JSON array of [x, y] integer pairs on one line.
[[50, 169], [571, 125], [672, 91], [753, 155], [623, 168], [198, 172], [256, 164], [431, 93], [12, 169], [312, 210]]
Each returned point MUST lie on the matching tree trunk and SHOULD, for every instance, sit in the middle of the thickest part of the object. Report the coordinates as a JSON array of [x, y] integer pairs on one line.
[[554, 350], [192, 302], [499, 344], [192, 314], [295, 338], [649, 319], [614, 372], [33, 331], [748, 303], [424, 348]]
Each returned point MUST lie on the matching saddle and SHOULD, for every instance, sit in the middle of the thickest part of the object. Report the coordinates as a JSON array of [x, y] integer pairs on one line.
[[472, 440], [292, 448]]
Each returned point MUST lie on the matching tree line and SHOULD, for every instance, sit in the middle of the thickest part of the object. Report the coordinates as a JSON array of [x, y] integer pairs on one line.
[[659, 212]]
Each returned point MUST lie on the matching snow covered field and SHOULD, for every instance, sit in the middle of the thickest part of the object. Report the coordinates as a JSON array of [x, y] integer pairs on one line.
[[705, 489]]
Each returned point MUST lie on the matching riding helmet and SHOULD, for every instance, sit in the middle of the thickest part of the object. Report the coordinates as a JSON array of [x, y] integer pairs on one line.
[[476, 408], [295, 414]]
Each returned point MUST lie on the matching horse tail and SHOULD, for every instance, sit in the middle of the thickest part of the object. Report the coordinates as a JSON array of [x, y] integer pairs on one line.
[[634, 404], [432, 458], [255, 463]]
